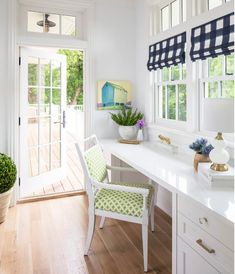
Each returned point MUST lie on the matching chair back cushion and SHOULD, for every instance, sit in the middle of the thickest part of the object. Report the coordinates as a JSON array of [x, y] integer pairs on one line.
[[96, 163]]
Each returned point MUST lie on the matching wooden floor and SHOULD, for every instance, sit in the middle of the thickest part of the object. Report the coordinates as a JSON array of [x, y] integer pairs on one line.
[[74, 180], [48, 237]]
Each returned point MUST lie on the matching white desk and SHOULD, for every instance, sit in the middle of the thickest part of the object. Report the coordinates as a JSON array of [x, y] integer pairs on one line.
[[176, 174]]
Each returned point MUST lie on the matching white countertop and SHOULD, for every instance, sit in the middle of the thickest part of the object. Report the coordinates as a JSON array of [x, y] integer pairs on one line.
[[175, 173]]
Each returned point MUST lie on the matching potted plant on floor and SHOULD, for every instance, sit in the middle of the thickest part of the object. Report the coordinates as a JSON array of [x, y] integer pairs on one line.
[[7, 179], [127, 120], [202, 151]]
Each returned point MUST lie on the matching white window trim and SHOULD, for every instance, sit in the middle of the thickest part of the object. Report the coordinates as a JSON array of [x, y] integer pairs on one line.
[[192, 126]]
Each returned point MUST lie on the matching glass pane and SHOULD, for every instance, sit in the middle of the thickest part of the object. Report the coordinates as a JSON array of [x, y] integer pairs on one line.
[[182, 103], [211, 90], [184, 10], [33, 162], [32, 132], [184, 71], [56, 102], [68, 25], [44, 154], [44, 101], [215, 66], [56, 129], [214, 3], [56, 73], [228, 89], [56, 156], [175, 72], [165, 18], [163, 102], [44, 130], [32, 71], [52, 23], [175, 13], [229, 59], [165, 74], [34, 19], [171, 102], [45, 72], [33, 102]]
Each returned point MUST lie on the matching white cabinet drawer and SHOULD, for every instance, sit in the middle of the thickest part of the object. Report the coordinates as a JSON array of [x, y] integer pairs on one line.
[[191, 262], [207, 246], [217, 226]]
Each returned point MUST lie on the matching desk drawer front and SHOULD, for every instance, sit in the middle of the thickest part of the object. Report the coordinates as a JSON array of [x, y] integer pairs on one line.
[[209, 248], [215, 225]]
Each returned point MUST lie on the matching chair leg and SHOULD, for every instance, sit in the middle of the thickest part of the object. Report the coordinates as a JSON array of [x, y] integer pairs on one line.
[[102, 221], [145, 245], [90, 232], [152, 218]]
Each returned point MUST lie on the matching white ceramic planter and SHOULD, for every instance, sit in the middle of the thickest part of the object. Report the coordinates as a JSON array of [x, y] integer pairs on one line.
[[4, 204], [128, 132]]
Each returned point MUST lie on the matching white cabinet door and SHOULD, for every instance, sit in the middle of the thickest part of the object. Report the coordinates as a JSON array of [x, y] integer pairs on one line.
[[190, 262]]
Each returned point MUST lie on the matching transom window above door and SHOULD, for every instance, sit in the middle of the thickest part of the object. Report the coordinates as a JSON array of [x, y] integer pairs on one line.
[[51, 23]]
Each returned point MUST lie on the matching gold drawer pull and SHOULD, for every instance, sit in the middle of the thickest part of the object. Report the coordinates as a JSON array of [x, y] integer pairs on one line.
[[203, 220], [199, 241]]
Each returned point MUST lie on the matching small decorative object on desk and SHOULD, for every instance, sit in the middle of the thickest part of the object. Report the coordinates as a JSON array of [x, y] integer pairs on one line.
[[127, 119], [216, 178], [140, 125], [202, 151]]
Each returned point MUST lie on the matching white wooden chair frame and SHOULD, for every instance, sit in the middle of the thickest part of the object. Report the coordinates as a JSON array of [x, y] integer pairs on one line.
[[93, 186]]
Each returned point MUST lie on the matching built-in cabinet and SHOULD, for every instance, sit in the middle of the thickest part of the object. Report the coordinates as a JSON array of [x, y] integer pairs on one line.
[[204, 240]]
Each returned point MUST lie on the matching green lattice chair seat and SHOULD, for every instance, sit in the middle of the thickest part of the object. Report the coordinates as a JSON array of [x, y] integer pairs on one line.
[[125, 203]]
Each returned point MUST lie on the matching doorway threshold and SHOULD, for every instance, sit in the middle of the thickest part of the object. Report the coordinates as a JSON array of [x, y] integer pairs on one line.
[[51, 196]]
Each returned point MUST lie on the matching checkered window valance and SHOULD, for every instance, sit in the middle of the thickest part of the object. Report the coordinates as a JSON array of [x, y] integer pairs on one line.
[[167, 52], [213, 38]]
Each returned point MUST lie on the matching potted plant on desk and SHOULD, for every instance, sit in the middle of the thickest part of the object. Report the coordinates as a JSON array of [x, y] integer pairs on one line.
[[202, 151], [127, 120], [7, 180]]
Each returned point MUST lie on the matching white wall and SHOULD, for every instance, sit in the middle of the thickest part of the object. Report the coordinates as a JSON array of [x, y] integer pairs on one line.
[[114, 53], [3, 74]]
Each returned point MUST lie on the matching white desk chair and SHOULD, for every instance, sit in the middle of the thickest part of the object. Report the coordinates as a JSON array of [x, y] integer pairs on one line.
[[132, 202]]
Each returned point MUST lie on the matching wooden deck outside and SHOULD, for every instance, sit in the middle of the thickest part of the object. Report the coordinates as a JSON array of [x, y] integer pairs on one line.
[[74, 180]]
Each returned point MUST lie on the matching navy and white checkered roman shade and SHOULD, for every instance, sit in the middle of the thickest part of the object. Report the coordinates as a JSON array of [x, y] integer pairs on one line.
[[213, 38], [167, 52]]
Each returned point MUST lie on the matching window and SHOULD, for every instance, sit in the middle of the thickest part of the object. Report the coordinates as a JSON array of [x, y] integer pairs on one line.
[[51, 23], [173, 14], [170, 93], [219, 80]]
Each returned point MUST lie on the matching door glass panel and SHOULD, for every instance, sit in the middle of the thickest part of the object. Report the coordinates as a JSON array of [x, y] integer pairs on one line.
[[33, 162], [33, 132], [32, 102], [45, 72], [44, 161], [56, 155], [44, 130], [56, 101], [44, 101], [68, 25], [32, 71], [44, 108], [56, 73], [56, 129]]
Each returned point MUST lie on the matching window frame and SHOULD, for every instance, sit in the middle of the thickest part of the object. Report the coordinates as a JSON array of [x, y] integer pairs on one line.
[[23, 29], [168, 4], [194, 72]]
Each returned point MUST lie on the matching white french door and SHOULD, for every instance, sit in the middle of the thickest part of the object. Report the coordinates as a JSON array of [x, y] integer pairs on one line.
[[42, 119]]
